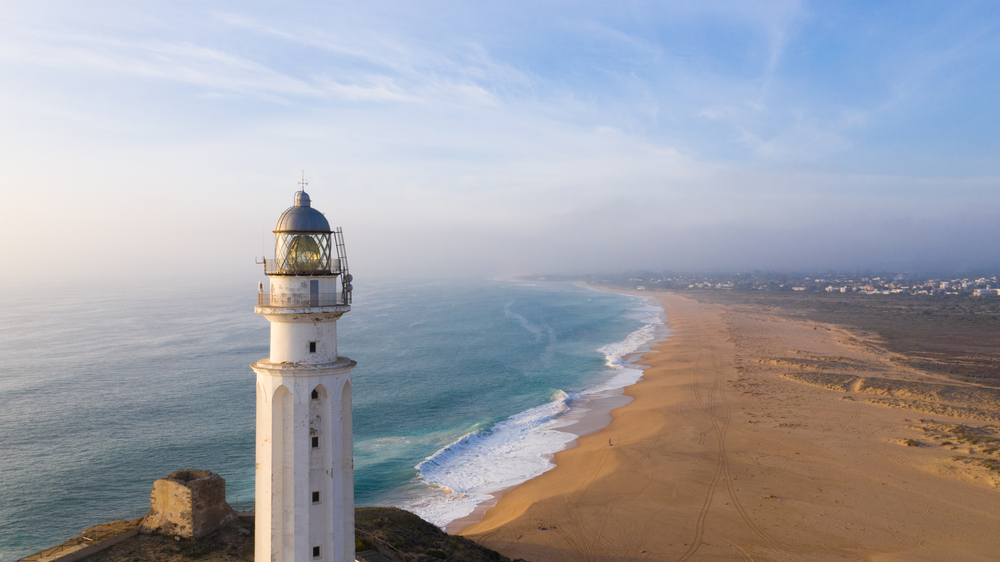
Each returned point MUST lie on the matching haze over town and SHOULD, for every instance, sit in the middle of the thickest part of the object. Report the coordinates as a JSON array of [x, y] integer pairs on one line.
[[450, 138]]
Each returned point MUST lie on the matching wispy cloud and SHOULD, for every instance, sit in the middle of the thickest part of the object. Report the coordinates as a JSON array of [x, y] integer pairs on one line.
[[173, 61], [372, 70], [934, 59], [645, 120], [405, 69]]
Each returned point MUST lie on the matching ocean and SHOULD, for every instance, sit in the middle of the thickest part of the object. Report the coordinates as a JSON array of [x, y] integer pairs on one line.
[[463, 388]]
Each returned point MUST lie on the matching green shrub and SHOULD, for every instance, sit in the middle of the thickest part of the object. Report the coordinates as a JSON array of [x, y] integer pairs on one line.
[[361, 545]]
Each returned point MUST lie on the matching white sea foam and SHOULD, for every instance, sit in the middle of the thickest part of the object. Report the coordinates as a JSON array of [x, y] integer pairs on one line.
[[477, 466], [468, 471]]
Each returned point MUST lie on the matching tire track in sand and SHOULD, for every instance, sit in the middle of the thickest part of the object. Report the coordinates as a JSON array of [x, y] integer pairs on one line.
[[731, 487], [699, 527], [720, 425], [633, 468]]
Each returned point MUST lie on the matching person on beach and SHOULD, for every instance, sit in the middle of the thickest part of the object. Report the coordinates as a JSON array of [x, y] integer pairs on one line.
[[609, 443]]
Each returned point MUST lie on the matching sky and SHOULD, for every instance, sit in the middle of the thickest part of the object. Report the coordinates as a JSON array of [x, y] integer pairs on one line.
[[164, 139]]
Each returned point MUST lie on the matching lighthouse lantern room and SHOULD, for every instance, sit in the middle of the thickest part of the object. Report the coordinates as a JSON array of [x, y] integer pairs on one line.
[[305, 463]]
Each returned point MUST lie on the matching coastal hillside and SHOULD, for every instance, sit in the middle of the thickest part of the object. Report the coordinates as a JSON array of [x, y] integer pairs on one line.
[[417, 539], [394, 531]]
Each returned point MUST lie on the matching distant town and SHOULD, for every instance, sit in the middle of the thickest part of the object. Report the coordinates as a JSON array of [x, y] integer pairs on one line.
[[865, 284]]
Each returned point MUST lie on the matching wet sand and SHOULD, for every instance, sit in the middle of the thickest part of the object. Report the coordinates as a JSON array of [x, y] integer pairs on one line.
[[756, 437]]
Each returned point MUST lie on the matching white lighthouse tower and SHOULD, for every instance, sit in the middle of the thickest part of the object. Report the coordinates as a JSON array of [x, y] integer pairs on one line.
[[305, 460]]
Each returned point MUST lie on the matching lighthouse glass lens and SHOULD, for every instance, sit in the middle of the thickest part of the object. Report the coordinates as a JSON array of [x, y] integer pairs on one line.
[[304, 254]]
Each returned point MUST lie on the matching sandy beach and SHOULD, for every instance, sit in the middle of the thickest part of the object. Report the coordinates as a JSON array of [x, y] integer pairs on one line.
[[753, 436]]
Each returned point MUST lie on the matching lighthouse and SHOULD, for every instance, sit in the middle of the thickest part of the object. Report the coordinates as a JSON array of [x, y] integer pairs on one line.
[[304, 505]]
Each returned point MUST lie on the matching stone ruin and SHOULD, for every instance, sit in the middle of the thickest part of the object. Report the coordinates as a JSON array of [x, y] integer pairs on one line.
[[189, 504]]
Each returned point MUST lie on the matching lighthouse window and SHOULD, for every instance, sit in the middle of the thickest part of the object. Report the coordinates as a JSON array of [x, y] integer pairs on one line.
[[315, 395], [312, 347], [315, 552], [315, 497], [315, 442], [304, 253]]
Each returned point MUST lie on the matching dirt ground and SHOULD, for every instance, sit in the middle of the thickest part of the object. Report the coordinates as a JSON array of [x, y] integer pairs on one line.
[[226, 545]]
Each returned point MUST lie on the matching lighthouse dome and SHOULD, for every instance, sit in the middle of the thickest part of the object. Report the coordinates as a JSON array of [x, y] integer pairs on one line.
[[301, 217]]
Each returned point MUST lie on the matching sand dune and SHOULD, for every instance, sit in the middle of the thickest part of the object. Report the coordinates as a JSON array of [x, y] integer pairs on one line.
[[826, 363], [953, 400]]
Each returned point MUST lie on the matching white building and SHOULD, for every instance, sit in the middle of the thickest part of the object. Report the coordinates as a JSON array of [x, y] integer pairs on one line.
[[305, 461]]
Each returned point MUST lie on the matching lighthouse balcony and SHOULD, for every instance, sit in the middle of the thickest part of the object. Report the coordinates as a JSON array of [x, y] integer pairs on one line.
[[311, 267], [303, 300]]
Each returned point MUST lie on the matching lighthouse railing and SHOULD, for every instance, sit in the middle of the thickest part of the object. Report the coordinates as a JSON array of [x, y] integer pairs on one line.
[[283, 267], [303, 300]]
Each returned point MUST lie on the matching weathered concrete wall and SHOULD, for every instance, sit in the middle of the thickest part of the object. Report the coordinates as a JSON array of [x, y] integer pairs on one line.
[[188, 503], [108, 535], [85, 551]]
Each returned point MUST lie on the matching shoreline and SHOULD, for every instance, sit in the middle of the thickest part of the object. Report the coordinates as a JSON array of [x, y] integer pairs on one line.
[[727, 452], [627, 395], [591, 415], [591, 420]]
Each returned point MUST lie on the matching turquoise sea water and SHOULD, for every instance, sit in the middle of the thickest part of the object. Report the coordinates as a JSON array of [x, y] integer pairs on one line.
[[101, 394]]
